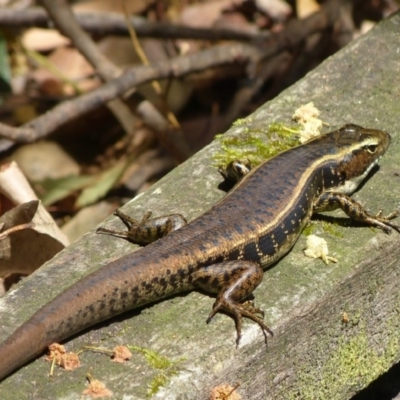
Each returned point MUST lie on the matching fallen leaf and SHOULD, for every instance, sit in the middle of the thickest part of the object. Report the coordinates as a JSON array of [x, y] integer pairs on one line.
[[45, 160], [103, 182], [40, 39], [24, 250]]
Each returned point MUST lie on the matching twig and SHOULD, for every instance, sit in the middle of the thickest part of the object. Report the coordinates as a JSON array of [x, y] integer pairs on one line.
[[16, 228], [99, 23], [177, 67], [157, 122], [65, 21], [295, 33], [145, 61], [67, 24]]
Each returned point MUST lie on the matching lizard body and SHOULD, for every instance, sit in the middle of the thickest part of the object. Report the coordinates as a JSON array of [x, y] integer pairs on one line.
[[223, 251]]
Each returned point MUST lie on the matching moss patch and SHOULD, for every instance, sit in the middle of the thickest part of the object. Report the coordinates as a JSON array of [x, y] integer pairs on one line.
[[167, 369], [353, 363], [331, 228], [256, 145]]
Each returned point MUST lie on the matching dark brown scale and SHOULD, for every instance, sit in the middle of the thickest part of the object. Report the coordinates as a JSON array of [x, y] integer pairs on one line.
[[251, 227]]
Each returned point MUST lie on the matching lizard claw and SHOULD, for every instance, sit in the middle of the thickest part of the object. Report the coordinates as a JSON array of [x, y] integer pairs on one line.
[[383, 222], [238, 311]]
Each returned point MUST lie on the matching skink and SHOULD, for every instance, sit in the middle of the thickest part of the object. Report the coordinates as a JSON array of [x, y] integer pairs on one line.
[[223, 251]]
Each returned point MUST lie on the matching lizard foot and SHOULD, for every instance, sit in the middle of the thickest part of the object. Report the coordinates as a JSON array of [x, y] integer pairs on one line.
[[238, 311], [383, 222], [234, 282], [148, 229], [330, 201]]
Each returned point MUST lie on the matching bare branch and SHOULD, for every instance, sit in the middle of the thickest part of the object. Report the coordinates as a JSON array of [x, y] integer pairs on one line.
[[99, 23], [65, 21], [67, 24], [295, 33]]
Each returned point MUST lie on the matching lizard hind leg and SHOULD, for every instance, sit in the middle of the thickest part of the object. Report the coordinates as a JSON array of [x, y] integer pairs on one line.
[[234, 282]]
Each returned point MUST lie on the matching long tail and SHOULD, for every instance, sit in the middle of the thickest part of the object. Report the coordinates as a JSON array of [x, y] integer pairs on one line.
[[84, 304], [25, 344], [124, 284]]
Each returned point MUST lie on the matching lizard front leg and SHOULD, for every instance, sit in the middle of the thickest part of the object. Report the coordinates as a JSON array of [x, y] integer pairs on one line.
[[147, 230], [235, 170], [331, 201], [234, 282]]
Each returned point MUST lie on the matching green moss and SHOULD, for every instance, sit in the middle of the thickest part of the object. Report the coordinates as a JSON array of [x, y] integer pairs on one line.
[[330, 228], [167, 368], [353, 363], [154, 359], [309, 228], [242, 121], [356, 363], [158, 381], [256, 145]]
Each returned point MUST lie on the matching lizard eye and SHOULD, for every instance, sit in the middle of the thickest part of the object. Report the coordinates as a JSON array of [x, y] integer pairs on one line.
[[371, 148]]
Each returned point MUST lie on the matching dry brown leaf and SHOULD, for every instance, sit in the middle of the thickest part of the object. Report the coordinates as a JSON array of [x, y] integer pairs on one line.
[[132, 6], [42, 40], [277, 9], [15, 187], [209, 11], [64, 72], [45, 160], [71, 63], [23, 251], [306, 7], [235, 21], [88, 218]]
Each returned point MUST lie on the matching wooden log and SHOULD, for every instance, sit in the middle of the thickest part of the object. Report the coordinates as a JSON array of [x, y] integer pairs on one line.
[[315, 354]]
